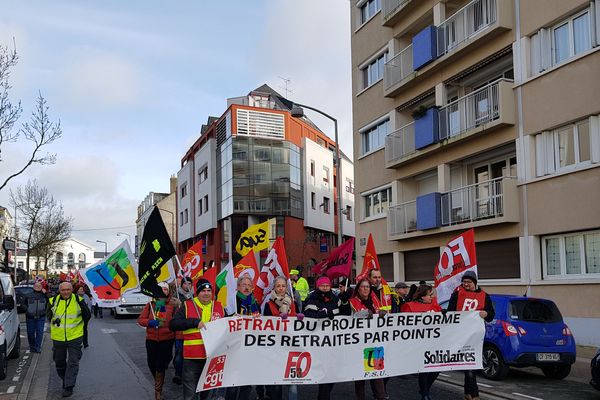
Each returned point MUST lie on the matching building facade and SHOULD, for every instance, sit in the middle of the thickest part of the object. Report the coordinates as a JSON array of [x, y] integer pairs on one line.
[[482, 114], [257, 162]]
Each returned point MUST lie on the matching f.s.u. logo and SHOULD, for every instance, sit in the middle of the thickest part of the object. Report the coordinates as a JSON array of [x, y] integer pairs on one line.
[[470, 305], [374, 359], [298, 364]]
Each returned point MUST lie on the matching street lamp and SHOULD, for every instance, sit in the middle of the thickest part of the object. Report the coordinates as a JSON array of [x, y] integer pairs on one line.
[[298, 112], [105, 247], [126, 234]]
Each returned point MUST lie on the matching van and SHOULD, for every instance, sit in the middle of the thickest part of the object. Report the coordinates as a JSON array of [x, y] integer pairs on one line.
[[10, 330]]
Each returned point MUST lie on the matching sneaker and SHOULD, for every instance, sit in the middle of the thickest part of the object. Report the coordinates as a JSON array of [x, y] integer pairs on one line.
[[177, 380], [67, 392]]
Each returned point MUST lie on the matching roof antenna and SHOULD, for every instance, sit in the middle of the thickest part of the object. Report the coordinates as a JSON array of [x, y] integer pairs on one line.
[[286, 82]]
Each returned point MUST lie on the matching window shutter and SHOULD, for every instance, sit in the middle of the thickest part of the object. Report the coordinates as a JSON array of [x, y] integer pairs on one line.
[[545, 49], [595, 138], [535, 55], [540, 155], [550, 159]]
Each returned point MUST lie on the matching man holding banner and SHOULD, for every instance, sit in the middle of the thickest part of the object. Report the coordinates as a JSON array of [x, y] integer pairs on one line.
[[468, 297]]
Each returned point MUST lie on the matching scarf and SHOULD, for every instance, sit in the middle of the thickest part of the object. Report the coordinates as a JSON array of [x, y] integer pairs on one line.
[[248, 305], [160, 309], [283, 301]]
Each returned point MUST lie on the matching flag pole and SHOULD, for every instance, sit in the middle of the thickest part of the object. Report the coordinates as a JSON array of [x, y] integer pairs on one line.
[[176, 285]]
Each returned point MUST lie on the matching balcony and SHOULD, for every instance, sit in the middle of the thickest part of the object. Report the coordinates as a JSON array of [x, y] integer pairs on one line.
[[402, 218], [475, 23], [491, 199], [398, 68], [479, 112], [391, 10], [400, 143]]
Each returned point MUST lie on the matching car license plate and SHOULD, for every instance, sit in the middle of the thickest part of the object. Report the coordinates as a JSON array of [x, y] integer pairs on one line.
[[548, 356]]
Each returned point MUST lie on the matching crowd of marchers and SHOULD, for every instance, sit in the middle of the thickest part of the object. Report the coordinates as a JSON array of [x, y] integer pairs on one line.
[[174, 324]]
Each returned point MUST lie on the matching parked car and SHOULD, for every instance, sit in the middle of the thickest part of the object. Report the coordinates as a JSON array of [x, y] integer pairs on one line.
[[10, 331], [22, 291], [132, 303], [595, 369], [527, 332]]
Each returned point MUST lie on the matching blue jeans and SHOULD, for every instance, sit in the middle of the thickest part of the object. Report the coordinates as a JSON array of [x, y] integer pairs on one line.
[[35, 333], [178, 358]]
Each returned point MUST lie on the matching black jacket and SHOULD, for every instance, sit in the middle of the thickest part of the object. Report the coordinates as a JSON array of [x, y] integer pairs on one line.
[[324, 305], [180, 322], [488, 306], [36, 304], [397, 302]]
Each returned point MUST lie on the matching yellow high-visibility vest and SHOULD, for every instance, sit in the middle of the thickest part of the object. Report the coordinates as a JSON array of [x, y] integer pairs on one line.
[[71, 319]]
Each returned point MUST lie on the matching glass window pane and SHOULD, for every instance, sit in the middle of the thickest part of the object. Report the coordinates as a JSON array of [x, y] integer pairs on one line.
[[566, 151], [583, 132], [552, 257], [592, 253], [561, 43], [573, 254], [581, 33]]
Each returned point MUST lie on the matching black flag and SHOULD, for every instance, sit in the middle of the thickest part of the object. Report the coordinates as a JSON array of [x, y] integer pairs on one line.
[[156, 250]]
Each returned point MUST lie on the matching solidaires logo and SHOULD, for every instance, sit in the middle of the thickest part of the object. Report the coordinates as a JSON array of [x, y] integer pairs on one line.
[[374, 359]]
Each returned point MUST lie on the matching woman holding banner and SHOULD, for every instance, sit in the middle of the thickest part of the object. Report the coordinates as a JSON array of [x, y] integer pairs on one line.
[[156, 317], [365, 306], [423, 301]]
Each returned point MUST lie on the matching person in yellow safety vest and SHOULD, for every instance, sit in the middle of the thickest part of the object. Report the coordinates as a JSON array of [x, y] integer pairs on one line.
[[67, 313], [190, 318], [378, 290], [300, 284]]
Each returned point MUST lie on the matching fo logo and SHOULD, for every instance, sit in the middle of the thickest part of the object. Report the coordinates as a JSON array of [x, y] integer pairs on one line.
[[298, 364], [470, 305], [374, 359], [214, 375]]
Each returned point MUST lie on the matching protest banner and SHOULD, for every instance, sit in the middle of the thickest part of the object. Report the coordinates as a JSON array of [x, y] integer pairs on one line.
[[111, 277], [312, 351], [256, 238], [457, 258]]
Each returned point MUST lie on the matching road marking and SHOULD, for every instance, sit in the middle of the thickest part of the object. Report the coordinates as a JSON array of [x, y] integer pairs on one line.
[[484, 385], [25, 357], [527, 397], [11, 389], [16, 378], [26, 351], [108, 330], [447, 376]]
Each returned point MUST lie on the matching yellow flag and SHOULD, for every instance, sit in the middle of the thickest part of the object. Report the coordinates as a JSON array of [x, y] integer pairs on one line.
[[254, 238]]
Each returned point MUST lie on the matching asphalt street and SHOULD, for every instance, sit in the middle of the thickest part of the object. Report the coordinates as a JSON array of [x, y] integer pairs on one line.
[[114, 366]]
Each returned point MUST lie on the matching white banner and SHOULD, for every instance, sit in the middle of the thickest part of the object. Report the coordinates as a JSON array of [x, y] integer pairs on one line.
[[271, 351]]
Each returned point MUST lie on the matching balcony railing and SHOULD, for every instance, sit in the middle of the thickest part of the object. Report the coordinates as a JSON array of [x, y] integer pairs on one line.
[[398, 67], [477, 108], [402, 218], [464, 24], [474, 202], [390, 7], [400, 143]]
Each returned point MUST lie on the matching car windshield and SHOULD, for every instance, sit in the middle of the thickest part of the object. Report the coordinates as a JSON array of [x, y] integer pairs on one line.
[[534, 311]]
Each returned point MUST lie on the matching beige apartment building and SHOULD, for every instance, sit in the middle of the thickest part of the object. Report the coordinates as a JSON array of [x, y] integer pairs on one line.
[[482, 114]]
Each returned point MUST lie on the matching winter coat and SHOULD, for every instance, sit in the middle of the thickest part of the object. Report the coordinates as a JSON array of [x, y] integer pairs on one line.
[[36, 303], [156, 320]]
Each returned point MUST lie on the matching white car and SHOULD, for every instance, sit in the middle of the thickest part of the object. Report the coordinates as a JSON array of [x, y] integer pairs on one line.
[[10, 331], [132, 303]]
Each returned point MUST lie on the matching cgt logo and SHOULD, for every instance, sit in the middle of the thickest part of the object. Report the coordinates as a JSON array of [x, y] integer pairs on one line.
[[374, 359], [298, 364], [214, 375]]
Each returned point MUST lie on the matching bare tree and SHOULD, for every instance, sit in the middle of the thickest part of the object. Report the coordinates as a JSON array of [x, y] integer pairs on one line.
[[43, 220], [40, 130]]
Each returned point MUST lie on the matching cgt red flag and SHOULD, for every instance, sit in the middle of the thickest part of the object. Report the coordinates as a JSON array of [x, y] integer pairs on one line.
[[457, 257], [339, 262], [370, 260], [247, 265], [191, 266]]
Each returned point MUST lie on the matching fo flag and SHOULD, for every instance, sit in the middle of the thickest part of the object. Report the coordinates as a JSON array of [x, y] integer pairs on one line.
[[457, 257], [156, 250], [339, 262]]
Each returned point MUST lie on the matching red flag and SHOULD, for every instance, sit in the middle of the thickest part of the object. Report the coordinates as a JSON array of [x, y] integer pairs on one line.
[[370, 260], [457, 257], [63, 277], [339, 262], [247, 265], [192, 262], [275, 265], [211, 276]]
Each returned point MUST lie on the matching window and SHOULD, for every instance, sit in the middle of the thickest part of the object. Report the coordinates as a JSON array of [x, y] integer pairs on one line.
[[349, 186], [312, 168], [70, 260], [566, 147], [325, 175], [183, 190], [326, 205], [373, 137], [571, 255], [313, 200], [373, 71], [206, 203], [377, 204], [203, 174], [185, 216], [181, 218], [59, 260], [81, 260], [348, 213], [200, 209], [368, 9]]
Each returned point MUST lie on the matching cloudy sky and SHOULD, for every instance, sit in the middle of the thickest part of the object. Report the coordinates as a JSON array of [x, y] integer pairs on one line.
[[132, 82]]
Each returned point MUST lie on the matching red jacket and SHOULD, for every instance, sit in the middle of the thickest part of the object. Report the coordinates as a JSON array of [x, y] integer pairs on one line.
[[417, 306], [162, 332]]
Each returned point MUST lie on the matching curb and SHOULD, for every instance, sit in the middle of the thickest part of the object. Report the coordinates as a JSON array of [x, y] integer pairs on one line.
[[40, 368]]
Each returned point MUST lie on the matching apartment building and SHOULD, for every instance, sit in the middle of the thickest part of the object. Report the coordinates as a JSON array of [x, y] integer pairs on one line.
[[257, 162], [482, 114]]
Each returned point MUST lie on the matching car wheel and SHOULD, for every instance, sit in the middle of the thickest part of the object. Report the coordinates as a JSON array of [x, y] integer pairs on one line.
[[557, 371], [3, 363], [494, 367], [17, 349]]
